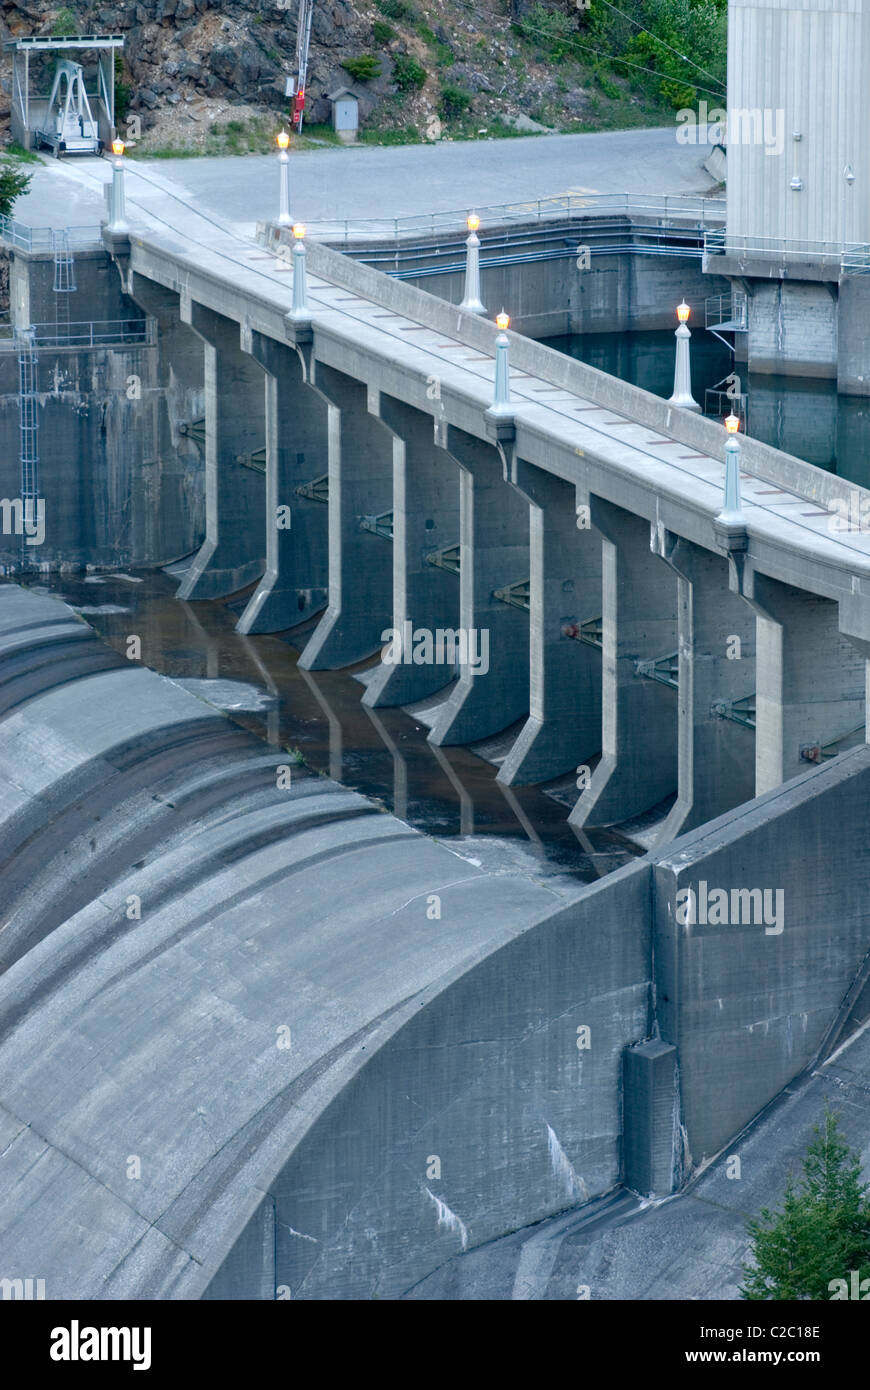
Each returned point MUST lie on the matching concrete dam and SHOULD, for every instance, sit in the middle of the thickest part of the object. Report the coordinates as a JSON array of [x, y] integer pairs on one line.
[[262, 1039], [267, 1032]]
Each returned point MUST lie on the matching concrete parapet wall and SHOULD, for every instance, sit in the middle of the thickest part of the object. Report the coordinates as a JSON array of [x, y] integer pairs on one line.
[[707, 435]]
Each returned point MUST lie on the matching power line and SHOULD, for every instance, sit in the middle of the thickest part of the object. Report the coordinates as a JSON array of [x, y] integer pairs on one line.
[[656, 39], [612, 58], [528, 28]]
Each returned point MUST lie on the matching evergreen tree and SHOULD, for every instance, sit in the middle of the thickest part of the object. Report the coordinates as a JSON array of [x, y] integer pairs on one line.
[[823, 1230], [14, 181]]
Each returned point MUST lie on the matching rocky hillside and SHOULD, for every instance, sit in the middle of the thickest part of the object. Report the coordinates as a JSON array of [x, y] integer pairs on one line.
[[206, 77]]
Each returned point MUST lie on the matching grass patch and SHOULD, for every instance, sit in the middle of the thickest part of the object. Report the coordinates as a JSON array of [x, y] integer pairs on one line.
[[403, 135], [397, 9], [256, 135], [442, 54], [14, 151]]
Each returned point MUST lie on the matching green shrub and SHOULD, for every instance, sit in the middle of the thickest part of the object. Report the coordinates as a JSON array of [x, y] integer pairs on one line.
[[607, 85], [454, 103], [396, 9], [363, 68], [66, 24], [408, 74], [383, 32], [442, 53], [552, 31], [13, 182], [671, 28], [823, 1230]]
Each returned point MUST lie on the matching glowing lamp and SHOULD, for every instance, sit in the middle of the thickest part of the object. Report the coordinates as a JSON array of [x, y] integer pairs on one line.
[[502, 321], [683, 312], [282, 140], [117, 147], [472, 221], [299, 231], [732, 424]]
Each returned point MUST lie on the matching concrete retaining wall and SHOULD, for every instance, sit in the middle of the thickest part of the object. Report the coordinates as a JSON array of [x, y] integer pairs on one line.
[[749, 1007], [632, 282], [485, 1085], [112, 495]]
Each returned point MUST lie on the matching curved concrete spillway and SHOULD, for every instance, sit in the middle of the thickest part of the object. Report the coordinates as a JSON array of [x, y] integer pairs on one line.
[[266, 1041], [201, 967]]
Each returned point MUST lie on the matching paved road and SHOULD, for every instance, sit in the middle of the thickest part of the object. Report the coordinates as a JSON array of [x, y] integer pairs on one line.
[[374, 181]]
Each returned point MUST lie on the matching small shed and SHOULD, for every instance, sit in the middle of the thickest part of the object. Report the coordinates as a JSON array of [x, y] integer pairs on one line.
[[345, 114]]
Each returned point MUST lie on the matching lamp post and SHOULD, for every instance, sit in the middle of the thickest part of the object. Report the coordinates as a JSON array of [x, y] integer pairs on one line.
[[731, 514], [117, 208], [282, 140], [472, 301], [300, 313], [501, 401], [682, 396]]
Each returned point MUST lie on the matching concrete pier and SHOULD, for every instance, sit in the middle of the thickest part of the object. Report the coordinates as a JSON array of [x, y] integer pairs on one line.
[[638, 765], [425, 520], [494, 536], [360, 483], [169, 499], [297, 561], [810, 679], [564, 723], [232, 554], [716, 666]]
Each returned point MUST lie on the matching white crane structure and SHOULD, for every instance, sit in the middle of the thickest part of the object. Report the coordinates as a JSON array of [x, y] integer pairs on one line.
[[69, 124]]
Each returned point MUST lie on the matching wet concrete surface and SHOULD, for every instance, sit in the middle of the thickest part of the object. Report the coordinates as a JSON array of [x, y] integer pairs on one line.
[[319, 718]]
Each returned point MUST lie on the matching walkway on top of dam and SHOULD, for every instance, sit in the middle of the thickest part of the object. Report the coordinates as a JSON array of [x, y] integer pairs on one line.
[[638, 452]]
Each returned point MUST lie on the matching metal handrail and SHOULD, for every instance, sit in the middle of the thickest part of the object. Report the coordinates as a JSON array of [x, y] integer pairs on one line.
[[42, 238], [853, 256], [665, 205], [94, 333]]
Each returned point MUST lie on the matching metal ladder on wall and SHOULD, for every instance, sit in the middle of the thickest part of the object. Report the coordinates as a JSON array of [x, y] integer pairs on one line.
[[28, 403], [64, 282]]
